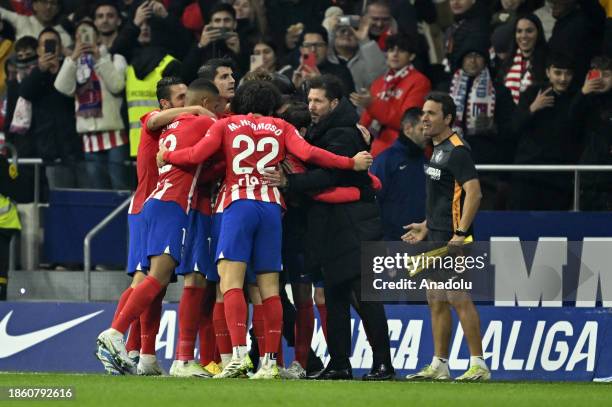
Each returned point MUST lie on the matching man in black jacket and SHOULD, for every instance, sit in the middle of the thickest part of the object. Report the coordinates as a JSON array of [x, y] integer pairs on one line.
[[545, 134], [219, 40], [52, 125], [335, 232], [592, 111]]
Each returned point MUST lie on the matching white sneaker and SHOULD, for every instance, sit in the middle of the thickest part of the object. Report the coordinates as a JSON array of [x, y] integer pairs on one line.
[[188, 368], [603, 379], [173, 367], [148, 365], [110, 366], [236, 368], [112, 342], [430, 373], [294, 372], [266, 373], [475, 374], [135, 356]]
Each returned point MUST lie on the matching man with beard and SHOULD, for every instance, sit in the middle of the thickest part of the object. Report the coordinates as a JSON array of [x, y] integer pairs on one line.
[[335, 232]]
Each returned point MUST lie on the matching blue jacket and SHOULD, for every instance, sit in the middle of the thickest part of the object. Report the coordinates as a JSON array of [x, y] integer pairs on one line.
[[400, 168]]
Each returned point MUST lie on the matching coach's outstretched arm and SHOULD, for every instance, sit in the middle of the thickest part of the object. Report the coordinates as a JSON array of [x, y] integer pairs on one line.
[[471, 203], [297, 146]]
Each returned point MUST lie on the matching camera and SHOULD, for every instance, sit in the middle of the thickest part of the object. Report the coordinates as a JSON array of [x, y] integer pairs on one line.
[[351, 20]]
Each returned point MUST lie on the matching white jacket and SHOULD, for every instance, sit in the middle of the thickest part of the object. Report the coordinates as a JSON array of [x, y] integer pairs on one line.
[[29, 25], [111, 73]]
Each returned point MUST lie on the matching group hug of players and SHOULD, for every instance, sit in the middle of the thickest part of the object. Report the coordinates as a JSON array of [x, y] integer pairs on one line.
[[203, 209]]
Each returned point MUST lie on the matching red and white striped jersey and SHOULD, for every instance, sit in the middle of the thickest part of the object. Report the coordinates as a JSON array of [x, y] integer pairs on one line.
[[103, 140], [177, 183], [146, 167], [219, 200], [251, 144], [210, 173]]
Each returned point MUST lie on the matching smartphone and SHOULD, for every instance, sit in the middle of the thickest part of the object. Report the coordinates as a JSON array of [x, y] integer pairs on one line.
[[350, 20], [256, 61], [224, 33], [594, 74], [86, 34], [50, 46], [310, 60]]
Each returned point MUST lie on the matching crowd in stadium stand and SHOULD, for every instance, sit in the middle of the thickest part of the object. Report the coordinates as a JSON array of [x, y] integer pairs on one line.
[[532, 79]]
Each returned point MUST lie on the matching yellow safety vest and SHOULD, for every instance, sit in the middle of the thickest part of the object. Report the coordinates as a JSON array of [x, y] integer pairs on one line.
[[9, 218], [141, 98]]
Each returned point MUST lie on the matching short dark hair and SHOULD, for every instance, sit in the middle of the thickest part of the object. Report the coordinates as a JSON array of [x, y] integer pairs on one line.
[[85, 21], [412, 116], [447, 102], [109, 3], [602, 62], [330, 84], [222, 7], [384, 3], [164, 85], [52, 31], [297, 114], [201, 84], [209, 69], [404, 41], [24, 43], [315, 29], [259, 97], [559, 60]]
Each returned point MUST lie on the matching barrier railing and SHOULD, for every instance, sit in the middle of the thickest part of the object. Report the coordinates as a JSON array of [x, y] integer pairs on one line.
[[91, 234], [576, 169]]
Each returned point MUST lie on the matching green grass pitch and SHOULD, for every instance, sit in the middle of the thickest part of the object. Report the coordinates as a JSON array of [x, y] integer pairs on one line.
[[135, 391]]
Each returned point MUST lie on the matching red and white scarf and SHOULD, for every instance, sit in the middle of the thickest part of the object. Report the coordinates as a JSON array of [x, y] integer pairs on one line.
[[391, 80], [479, 102], [518, 78]]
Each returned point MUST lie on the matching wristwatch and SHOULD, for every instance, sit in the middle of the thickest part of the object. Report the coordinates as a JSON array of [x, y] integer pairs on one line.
[[461, 232]]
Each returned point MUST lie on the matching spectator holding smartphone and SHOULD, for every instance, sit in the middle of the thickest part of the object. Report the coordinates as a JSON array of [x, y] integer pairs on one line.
[[96, 80], [52, 121], [218, 40], [545, 132], [351, 46], [314, 62], [592, 111], [45, 14]]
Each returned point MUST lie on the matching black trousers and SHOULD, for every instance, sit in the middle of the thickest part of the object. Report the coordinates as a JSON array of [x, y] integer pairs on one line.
[[5, 241], [339, 299]]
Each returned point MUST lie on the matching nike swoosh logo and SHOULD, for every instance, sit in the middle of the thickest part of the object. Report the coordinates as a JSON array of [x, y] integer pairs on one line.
[[401, 167], [12, 344]]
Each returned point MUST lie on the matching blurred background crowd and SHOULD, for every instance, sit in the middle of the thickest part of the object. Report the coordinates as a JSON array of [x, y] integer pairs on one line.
[[532, 80]]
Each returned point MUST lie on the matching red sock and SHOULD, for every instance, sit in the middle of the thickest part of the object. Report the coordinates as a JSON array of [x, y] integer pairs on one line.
[[149, 324], [273, 323], [222, 336], [122, 300], [258, 328], [189, 320], [142, 296], [304, 326], [236, 315], [133, 342], [323, 318], [207, 332]]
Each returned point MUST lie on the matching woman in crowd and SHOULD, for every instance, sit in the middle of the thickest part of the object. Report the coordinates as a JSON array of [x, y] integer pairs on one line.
[[525, 67]]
